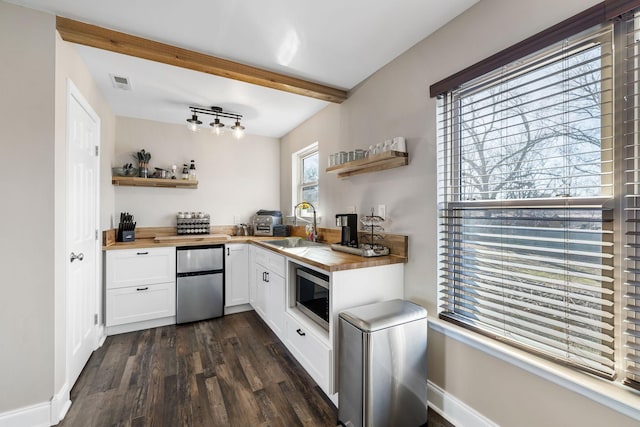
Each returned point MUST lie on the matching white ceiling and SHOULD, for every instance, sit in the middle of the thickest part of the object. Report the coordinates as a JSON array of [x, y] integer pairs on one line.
[[334, 42]]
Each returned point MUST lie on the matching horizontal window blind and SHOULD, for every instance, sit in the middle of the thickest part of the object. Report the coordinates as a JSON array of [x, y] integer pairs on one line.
[[525, 164], [541, 278], [631, 297]]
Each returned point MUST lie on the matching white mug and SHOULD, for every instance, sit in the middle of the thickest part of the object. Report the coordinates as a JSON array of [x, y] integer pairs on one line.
[[399, 144]]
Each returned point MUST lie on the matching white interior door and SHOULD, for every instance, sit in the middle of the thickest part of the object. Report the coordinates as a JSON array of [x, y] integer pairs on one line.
[[83, 139]]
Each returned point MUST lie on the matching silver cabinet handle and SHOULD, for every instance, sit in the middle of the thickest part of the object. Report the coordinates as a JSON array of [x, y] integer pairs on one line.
[[78, 257]]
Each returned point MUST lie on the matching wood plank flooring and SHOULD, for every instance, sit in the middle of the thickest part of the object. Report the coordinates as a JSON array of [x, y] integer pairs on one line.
[[230, 371]]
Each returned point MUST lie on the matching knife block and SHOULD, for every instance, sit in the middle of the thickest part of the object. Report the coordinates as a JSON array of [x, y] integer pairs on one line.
[[126, 235]]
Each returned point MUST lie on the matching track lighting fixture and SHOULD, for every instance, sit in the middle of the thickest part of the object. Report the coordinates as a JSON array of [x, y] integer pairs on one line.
[[193, 123], [238, 130], [217, 127]]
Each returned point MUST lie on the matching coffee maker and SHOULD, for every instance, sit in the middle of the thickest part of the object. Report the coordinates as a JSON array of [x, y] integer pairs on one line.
[[349, 224]]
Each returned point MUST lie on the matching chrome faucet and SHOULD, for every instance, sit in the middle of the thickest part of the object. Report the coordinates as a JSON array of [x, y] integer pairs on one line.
[[306, 205]]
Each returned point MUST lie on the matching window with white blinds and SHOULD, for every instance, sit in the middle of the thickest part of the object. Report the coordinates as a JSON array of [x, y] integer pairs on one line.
[[526, 178], [631, 204]]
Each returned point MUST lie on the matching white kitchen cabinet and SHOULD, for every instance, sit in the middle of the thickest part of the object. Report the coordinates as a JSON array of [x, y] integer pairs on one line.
[[140, 289], [317, 348], [236, 274], [259, 291], [310, 349], [139, 303], [132, 267], [276, 308], [268, 288]]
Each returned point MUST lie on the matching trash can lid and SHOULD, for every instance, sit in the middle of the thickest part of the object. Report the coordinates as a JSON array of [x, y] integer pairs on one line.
[[382, 315]]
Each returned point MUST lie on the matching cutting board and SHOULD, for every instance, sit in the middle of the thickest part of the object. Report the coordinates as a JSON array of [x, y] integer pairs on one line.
[[192, 237]]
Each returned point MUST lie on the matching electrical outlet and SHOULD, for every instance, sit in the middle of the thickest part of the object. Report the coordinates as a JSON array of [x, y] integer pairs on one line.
[[351, 209], [382, 211]]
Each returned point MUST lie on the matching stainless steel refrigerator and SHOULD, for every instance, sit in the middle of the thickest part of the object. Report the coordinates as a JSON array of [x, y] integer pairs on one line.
[[383, 365], [200, 283]]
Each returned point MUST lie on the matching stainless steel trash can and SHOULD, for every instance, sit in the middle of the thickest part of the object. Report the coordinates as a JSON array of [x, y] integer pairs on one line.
[[383, 365]]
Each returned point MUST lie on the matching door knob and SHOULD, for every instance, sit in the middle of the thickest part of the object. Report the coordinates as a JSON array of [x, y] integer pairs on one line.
[[78, 257]]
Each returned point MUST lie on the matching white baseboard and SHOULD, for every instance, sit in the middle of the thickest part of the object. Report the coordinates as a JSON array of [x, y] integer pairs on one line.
[[138, 326], [454, 410], [60, 404], [237, 309], [102, 335], [38, 415]]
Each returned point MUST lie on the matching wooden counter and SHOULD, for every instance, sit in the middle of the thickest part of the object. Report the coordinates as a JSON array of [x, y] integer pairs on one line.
[[322, 257], [327, 259]]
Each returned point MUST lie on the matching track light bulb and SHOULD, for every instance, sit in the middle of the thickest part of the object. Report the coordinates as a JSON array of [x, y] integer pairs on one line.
[[238, 130], [193, 122], [217, 128]]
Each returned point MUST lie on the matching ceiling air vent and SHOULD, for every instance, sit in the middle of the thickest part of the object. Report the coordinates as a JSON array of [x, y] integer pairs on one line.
[[120, 82]]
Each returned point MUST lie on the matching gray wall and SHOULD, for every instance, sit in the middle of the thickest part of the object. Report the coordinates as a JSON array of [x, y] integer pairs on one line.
[[26, 218], [32, 250], [70, 66], [236, 177], [395, 102]]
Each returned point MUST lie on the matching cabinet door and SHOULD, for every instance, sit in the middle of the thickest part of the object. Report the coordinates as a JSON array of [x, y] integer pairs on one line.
[[259, 295], [313, 352], [138, 303], [236, 274], [276, 303], [252, 276], [137, 267]]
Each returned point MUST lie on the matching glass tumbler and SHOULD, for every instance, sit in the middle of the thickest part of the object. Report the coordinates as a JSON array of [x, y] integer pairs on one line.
[[343, 157]]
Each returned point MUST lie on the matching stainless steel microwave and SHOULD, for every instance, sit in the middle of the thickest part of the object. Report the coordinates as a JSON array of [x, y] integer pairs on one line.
[[312, 295]]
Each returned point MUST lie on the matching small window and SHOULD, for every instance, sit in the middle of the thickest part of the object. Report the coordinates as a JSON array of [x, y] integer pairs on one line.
[[305, 175]]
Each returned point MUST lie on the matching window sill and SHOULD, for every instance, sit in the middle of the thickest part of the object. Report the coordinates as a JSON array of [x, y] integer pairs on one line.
[[610, 394]]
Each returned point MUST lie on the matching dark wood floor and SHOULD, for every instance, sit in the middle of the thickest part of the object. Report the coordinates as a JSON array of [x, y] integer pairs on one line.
[[230, 371]]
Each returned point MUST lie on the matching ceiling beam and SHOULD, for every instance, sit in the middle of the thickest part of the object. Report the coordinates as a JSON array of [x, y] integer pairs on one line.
[[103, 38]]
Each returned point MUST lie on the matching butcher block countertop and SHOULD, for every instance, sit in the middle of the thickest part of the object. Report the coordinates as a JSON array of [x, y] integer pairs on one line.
[[322, 257]]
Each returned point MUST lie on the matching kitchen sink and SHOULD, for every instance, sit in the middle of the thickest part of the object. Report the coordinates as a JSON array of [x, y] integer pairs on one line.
[[292, 243]]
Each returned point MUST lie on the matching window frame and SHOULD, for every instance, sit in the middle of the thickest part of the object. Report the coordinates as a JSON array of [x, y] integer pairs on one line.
[[451, 172], [297, 175]]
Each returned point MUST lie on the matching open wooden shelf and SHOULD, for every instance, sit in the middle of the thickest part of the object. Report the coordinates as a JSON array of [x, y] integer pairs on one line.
[[134, 181], [378, 162]]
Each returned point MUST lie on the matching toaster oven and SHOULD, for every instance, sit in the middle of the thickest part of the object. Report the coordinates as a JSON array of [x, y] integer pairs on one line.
[[264, 222]]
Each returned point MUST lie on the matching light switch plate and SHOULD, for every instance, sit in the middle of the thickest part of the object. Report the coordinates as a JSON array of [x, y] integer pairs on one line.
[[382, 211]]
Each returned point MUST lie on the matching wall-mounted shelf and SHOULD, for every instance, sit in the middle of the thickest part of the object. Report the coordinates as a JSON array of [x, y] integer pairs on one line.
[[153, 182], [378, 162]]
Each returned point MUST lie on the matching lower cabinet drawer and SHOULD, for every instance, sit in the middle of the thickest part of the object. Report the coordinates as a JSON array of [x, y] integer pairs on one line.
[[271, 261], [138, 303], [312, 353]]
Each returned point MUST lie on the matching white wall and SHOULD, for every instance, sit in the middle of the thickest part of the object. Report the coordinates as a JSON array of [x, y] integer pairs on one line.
[[69, 65], [27, 48], [236, 177], [395, 102]]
